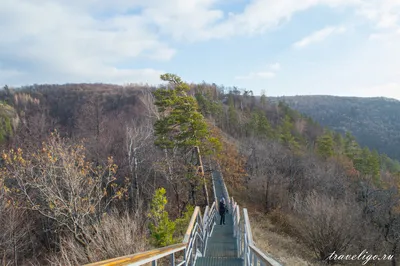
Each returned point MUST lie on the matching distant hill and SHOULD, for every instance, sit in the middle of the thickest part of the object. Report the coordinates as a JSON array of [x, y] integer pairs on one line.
[[375, 122]]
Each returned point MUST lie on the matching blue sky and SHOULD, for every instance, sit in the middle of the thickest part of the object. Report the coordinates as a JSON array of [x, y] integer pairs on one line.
[[285, 47]]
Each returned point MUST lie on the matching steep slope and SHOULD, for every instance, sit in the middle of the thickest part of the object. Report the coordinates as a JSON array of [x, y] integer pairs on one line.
[[373, 121]]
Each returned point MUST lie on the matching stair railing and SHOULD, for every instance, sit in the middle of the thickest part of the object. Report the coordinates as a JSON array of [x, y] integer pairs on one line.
[[208, 223], [217, 176], [194, 238], [251, 255], [247, 249], [193, 245]]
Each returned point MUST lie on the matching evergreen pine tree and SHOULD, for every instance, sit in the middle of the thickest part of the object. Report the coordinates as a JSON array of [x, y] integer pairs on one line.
[[325, 145], [161, 227]]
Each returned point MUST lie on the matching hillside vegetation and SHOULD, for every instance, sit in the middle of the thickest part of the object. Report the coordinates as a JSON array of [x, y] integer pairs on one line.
[[373, 121], [90, 164]]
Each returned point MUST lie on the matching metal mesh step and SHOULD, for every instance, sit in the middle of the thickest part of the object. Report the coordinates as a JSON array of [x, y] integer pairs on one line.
[[213, 261]]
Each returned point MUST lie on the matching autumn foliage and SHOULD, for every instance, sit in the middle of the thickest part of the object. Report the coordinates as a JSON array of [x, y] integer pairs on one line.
[[232, 163], [58, 183], [64, 200]]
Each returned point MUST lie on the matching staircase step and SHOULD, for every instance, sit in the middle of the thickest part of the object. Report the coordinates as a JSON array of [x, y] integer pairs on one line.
[[212, 261], [221, 245], [221, 249], [220, 233]]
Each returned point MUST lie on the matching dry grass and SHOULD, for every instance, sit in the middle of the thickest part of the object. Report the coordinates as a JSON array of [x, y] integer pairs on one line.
[[271, 239], [117, 235], [273, 233]]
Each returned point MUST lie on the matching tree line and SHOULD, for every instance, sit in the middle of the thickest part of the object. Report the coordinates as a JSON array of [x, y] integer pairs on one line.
[[82, 163]]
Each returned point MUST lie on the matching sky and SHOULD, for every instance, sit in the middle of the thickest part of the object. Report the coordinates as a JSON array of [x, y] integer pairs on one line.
[[282, 47]]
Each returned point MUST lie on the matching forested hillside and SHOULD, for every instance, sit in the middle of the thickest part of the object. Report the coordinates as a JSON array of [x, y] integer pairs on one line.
[[373, 121], [95, 171]]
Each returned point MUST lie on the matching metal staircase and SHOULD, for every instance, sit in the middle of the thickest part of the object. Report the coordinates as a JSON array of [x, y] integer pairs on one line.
[[222, 245], [206, 242]]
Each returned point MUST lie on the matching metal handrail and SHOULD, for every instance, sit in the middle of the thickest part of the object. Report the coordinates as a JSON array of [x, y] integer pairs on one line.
[[224, 189], [196, 237], [194, 241], [252, 256], [142, 257]]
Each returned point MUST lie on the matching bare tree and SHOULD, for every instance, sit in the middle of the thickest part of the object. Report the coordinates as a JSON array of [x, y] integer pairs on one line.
[[326, 224], [173, 168], [260, 166], [90, 125], [139, 139], [381, 207], [15, 233], [59, 184], [116, 235]]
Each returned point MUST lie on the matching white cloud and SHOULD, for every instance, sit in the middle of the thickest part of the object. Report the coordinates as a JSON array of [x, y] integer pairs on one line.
[[259, 16], [390, 89], [319, 36], [53, 42], [384, 13], [257, 75], [64, 40], [386, 38], [275, 66], [388, 21], [262, 15], [265, 74]]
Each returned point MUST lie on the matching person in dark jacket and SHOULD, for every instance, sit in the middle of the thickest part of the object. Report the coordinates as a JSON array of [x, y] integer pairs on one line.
[[222, 210]]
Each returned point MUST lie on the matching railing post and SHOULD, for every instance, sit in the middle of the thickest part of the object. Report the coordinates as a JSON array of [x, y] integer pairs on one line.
[[173, 259], [154, 263], [238, 232], [255, 260]]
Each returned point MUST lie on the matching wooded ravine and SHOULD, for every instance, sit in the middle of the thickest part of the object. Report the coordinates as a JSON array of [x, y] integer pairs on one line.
[[96, 171]]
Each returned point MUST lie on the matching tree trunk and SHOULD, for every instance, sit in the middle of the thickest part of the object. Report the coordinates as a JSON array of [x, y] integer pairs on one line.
[[15, 248], [205, 191], [136, 185], [97, 132], [192, 193], [177, 198], [394, 262], [267, 196]]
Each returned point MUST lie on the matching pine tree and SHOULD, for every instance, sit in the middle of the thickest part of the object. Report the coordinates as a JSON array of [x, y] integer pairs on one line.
[[182, 222], [233, 119], [285, 133], [325, 145], [263, 99], [204, 104], [259, 125], [361, 162], [181, 124], [351, 147], [252, 125], [264, 127], [339, 143], [161, 227], [7, 114], [375, 166]]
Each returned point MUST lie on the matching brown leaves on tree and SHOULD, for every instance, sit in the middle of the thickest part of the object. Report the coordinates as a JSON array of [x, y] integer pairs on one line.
[[232, 163], [59, 183]]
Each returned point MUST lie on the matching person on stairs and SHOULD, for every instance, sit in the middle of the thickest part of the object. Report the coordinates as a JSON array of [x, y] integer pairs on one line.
[[222, 210]]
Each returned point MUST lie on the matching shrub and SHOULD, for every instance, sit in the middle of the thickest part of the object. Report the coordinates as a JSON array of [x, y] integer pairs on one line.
[[326, 224], [161, 227], [116, 235]]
